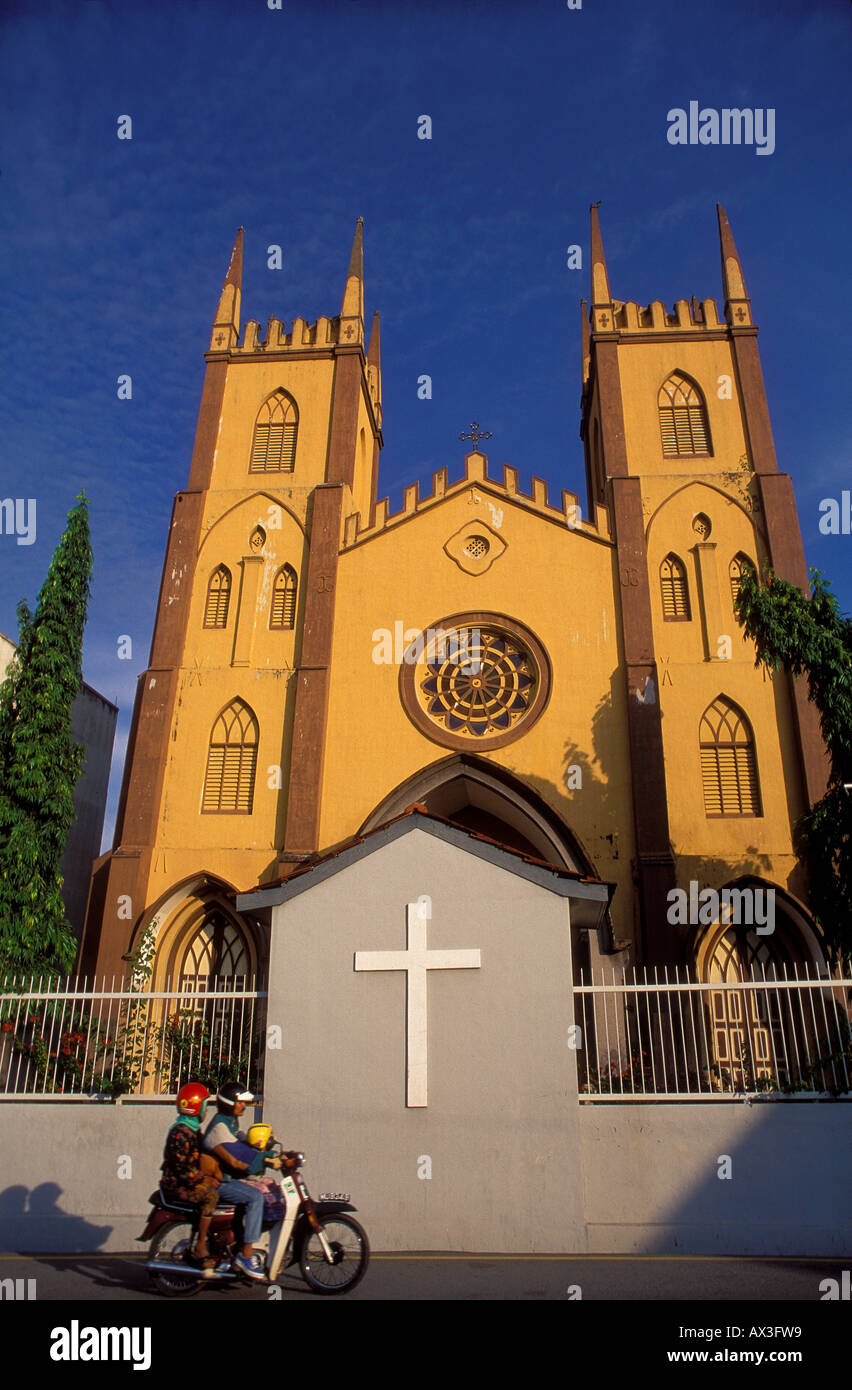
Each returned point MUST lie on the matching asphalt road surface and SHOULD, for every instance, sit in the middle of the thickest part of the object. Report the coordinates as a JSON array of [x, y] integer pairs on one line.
[[467, 1278]]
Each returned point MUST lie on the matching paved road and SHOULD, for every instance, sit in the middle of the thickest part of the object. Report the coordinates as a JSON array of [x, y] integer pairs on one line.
[[467, 1278]]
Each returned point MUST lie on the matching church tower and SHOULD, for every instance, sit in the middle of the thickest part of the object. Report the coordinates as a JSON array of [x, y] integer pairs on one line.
[[679, 449], [225, 756]]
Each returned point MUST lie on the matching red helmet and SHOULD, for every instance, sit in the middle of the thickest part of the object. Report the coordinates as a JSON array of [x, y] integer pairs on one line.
[[192, 1098]]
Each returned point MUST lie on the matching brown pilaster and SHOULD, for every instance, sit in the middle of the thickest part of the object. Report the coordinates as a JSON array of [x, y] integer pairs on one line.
[[787, 556], [654, 859], [346, 398], [307, 759]]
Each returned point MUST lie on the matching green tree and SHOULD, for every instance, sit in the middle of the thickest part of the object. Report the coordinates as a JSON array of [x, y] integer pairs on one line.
[[39, 762], [810, 637]]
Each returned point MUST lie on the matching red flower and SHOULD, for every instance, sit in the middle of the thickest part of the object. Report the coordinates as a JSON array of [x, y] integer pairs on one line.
[[7, 1027]]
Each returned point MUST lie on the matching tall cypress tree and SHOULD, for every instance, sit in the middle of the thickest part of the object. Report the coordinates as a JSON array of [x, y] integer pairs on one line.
[[810, 637], [39, 762]]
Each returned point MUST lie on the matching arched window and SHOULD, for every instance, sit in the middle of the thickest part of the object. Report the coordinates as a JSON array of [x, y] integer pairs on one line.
[[737, 568], [728, 762], [216, 951], [674, 590], [283, 613], [218, 598], [273, 447], [683, 418], [231, 761]]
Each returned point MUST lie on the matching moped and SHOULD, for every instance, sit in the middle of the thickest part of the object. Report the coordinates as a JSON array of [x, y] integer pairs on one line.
[[327, 1243]]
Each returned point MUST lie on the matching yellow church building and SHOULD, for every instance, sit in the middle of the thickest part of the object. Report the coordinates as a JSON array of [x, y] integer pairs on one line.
[[566, 680]]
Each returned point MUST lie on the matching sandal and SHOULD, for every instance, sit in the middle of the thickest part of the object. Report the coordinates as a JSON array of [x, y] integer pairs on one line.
[[200, 1261]]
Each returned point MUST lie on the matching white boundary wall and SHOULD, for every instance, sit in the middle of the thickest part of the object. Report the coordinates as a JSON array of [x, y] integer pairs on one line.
[[647, 1174]]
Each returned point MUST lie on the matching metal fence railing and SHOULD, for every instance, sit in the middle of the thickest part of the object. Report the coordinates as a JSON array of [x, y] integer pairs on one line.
[[660, 1035], [66, 1041]]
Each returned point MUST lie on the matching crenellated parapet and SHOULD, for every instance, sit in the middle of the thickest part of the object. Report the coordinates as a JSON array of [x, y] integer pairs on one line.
[[323, 334], [629, 317], [477, 480]]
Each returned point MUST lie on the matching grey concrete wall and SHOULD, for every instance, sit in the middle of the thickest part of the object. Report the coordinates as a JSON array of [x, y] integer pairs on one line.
[[647, 1178], [60, 1161], [652, 1185]]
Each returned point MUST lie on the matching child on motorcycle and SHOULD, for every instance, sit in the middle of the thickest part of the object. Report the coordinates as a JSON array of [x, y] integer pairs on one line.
[[184, 1178], [228, 1144]]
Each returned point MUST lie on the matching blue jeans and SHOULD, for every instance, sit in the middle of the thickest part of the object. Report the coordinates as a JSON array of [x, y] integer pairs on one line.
[[251, 1198]]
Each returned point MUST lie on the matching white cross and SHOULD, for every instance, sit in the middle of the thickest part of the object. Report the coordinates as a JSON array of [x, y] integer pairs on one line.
[[416, 960]]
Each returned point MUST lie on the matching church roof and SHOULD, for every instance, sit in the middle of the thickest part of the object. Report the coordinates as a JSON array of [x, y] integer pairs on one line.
[[591, 895]]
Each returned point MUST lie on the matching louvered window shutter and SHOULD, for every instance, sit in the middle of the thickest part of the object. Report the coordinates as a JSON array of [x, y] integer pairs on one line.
[[218, 598], [729, 765], [273, 447], [284, 599], [231, 762], [683, 419], [674, 591]]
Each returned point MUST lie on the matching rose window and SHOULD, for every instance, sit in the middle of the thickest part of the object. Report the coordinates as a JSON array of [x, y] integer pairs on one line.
[[477, 683]]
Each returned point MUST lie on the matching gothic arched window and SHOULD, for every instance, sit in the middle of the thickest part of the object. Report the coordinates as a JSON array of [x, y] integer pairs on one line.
[[231, 761], [218, 598], [217, 951], [283, 613], [674, 590], [273, 447], [728, 762], [683, 418], [737, 568]]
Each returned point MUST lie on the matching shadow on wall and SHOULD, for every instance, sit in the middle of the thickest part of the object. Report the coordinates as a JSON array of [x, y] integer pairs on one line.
[[20, 1216], [713, 1179]]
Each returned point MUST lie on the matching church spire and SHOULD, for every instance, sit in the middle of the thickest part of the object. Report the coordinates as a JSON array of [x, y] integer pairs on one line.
[[352, 312], [374, 351], [584, 338], [601, 297], [737, 304], [226, 325], [374, 369]]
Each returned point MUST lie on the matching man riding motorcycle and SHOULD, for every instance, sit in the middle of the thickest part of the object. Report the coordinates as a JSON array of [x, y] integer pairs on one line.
[[228, 1144]]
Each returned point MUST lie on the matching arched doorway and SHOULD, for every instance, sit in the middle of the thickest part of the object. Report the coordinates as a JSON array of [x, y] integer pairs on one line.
[[775, 1032]]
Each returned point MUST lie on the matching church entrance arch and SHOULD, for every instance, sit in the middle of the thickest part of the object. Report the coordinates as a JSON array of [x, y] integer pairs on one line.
[[483, 797], [207, 965]]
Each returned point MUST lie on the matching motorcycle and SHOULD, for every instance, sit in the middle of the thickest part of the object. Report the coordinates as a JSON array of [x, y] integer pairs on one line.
[[321, 1237]]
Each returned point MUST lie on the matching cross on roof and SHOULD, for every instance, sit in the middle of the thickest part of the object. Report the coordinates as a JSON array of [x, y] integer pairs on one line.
[[476, 434]]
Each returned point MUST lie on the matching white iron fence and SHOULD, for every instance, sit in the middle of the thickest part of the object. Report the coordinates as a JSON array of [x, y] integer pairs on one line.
[[68, 1042], [661, 1035]]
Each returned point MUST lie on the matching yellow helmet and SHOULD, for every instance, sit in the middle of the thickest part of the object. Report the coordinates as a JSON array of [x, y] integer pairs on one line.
[[259, 1136]]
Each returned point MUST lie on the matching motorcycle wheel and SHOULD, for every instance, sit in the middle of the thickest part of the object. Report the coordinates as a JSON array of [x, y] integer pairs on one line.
[[351, 1249], [170, 1243]]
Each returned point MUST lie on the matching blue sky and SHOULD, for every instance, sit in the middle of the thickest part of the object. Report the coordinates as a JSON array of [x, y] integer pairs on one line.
[[294, 123]]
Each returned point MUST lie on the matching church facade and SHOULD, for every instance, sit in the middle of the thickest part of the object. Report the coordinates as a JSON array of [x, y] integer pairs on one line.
[[567, 683]]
